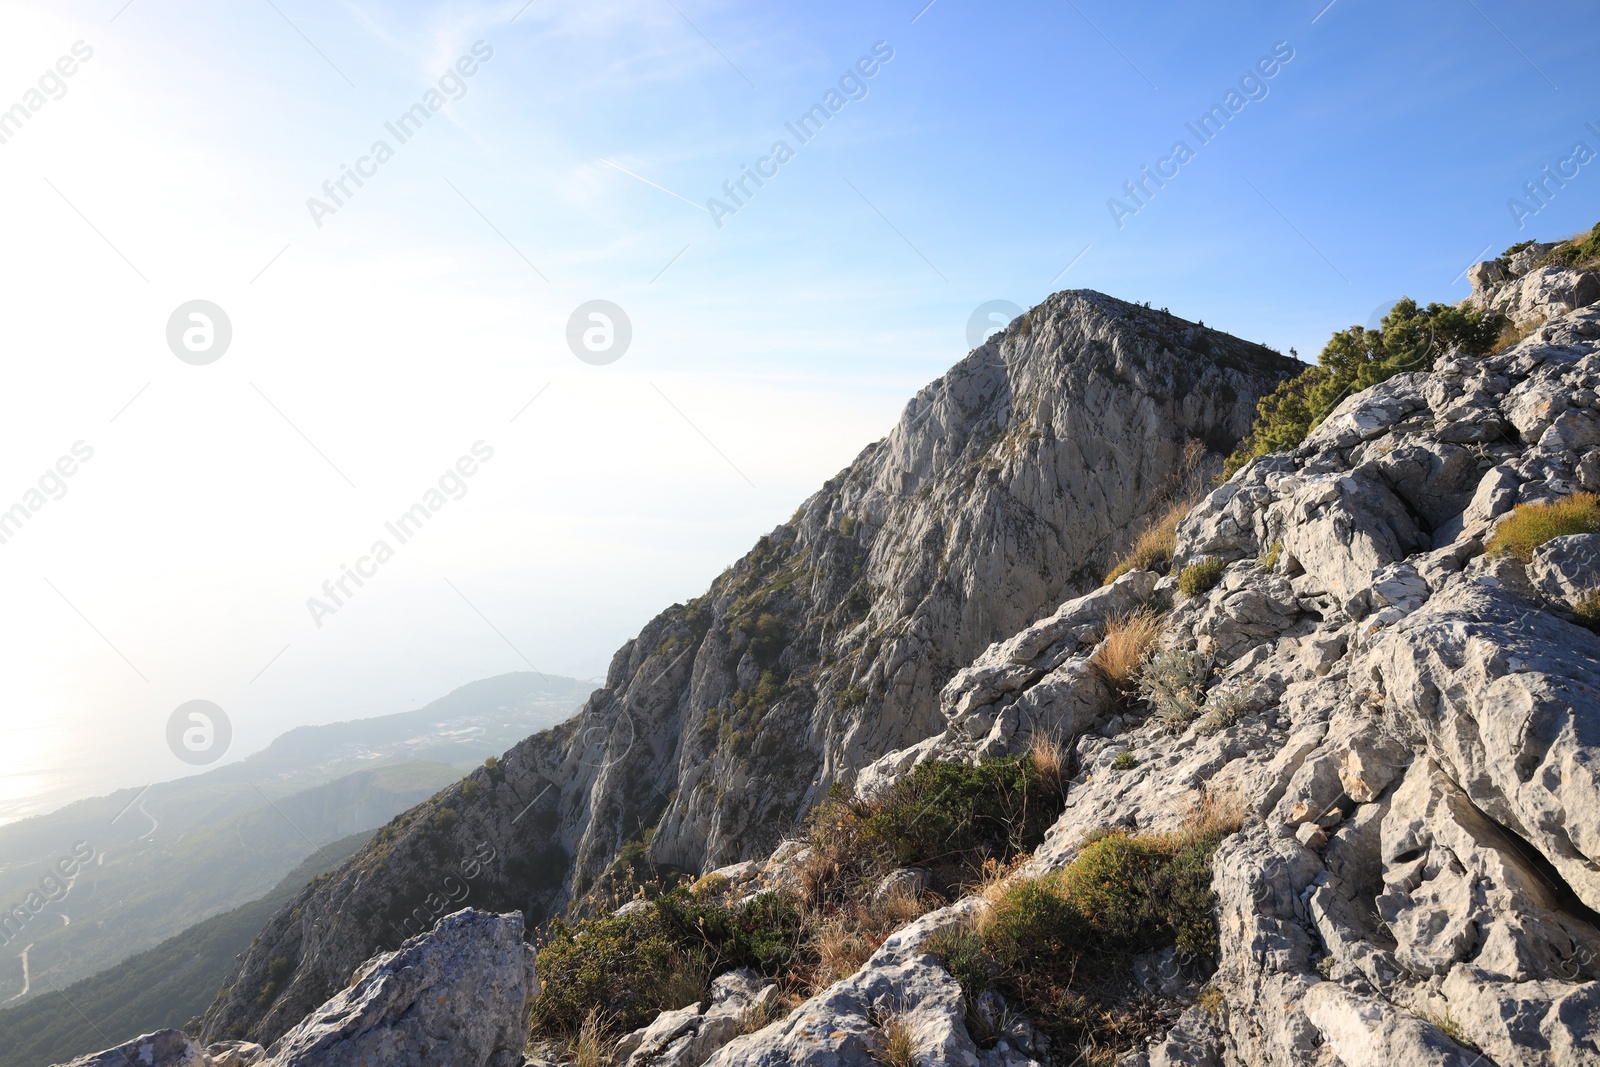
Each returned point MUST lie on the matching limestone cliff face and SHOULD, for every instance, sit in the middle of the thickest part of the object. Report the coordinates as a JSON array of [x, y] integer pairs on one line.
[[1409, 725], [1006, 487]]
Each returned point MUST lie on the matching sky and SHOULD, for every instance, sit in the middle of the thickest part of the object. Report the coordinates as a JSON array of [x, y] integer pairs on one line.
[[387, 337]]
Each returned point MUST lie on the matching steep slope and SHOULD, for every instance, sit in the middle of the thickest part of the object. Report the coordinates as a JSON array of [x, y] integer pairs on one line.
[[1403, 715], [1006, 486], [163, 987]]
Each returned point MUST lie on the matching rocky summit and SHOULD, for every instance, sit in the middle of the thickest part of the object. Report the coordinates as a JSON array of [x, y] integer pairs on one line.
[[1314, 780], [1007, 485]]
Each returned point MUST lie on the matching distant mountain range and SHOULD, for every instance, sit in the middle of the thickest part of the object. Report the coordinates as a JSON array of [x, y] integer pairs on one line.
[[147, 863], [163, 986]]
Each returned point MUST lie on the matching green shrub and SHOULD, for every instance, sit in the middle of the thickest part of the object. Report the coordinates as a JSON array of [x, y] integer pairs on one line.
[[1409, 339], [851, 696], [1582, 252], [1200, 578], [1062, 946], [1125, 761], [663, 956], [949, 817], [1531, 525]]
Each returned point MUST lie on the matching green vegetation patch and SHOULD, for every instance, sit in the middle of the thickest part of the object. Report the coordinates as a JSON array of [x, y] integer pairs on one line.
[[949, 817], [1531, 525], [1587, 610], [1198, 579], [1410, 338], [656, 958], [1061, 947], [1582, 252], [611, 972]]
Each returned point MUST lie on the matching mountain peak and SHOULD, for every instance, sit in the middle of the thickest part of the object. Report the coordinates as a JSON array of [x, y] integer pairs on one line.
[[1007, 485]]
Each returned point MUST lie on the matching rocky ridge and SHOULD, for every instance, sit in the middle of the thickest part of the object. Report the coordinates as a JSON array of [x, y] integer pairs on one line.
[[1006, 486], [1408, 725]]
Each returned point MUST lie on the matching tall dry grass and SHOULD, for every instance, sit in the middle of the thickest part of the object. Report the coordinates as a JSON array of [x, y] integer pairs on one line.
[[1125, 647], [1152, 550]]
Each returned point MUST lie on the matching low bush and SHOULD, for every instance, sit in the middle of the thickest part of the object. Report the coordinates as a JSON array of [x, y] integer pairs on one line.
[[899, 1047], [1173, 683], [1125, 761], [947, 817], [612, 972], [1582, 251], [1512, 331], [1531, 525], [1198, 579], [1061, 947], [1126, 645], [1409, 338]]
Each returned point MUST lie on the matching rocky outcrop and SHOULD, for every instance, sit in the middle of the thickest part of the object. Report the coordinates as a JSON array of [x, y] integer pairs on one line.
[[689, 1036], [459, 995], [164, 1048], [1006, 487], [1527, 290], [1410, 727], [845, 1024]]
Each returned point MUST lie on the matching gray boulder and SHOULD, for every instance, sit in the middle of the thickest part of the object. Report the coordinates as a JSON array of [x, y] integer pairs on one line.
[[164, 1048], [459, 995]]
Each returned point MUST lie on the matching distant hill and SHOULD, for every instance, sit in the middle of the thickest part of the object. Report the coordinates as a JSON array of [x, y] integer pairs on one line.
[[174, 853], [164, 986]]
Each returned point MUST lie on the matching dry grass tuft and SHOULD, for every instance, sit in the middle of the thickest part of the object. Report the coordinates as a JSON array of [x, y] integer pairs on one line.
[[899, 1044], [993, 881], [1125, 648], [1152, 549], [894, 910], [1513, 331], [820, 876], [591, 1048], [1587, 610], [1531, 525], [1049, 759], [1219, 812], [841, 949]]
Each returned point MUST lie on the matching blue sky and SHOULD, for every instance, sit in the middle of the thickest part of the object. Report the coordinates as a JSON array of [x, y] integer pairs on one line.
[[370, 352]]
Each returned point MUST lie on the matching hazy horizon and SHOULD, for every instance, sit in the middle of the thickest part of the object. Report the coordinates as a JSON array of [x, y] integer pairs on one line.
[[389, 333]]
